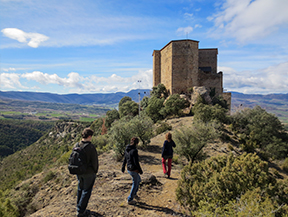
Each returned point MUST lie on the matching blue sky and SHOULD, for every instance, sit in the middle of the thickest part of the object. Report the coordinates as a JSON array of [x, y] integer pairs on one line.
[[93, 46]]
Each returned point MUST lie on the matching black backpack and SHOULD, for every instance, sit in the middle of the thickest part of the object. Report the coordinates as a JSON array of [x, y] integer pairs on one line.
[[78, 160]]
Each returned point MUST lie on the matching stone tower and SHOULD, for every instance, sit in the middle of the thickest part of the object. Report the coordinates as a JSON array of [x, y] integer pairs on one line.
[[180, 65]]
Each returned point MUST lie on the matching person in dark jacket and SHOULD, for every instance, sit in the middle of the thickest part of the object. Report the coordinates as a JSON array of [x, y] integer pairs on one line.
[[86, 180], [133, 167], [167, 153]]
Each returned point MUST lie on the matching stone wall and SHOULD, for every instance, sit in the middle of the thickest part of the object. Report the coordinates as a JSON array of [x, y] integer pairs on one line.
[[184, 65], [208, 58], [181, 65]]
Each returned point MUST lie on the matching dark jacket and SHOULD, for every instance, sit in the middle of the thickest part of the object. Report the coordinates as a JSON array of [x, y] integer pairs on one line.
[[91, 156], [131, 159], [167, 149]]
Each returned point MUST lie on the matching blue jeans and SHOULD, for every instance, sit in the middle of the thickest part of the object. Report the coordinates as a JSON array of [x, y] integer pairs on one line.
[[85, 186], [135, 185]]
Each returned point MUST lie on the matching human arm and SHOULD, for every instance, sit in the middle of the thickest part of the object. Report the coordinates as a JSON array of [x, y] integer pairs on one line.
[[136, 161], [124, 164]]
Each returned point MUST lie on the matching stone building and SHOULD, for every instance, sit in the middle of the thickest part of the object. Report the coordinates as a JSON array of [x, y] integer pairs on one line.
[[180, 65]]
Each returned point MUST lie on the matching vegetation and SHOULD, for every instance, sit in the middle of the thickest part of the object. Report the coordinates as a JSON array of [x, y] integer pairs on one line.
[[18, 109], [221, 186], [174, 106], [124, 129], [214, 187], [18, 134], [193, 139], [260, 129], [128, 107]]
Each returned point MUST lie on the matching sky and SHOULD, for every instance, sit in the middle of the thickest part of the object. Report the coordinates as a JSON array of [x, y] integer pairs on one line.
[[96, 46]]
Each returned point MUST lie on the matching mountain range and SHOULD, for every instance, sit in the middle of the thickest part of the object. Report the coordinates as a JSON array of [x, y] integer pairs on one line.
[[273, 103], [84, 99]]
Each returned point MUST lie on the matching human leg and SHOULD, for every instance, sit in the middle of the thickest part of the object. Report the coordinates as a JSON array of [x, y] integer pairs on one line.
[[169, 166], [164, 165], [85, 186], [135, 184]]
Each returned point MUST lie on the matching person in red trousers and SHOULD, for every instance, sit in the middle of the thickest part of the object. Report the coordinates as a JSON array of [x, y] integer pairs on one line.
[[167, 153]]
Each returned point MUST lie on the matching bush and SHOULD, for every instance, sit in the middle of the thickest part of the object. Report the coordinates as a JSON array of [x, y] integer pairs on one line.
[[153, 109], [191, 140], [163, 127], [49, 176], [101, 142], [208, 113], [174, 105], [285, 165], [214, 184], [259, 129]]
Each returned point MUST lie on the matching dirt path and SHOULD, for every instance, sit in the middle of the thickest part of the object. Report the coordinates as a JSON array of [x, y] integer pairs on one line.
[[112, 187]]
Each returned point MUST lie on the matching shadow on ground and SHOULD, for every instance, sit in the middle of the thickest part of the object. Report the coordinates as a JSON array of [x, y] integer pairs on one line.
[[165, 210], [147, 159], [154, 149]]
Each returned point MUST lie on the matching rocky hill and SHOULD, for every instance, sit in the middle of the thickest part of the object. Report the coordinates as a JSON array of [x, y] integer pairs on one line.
[[52, 192]]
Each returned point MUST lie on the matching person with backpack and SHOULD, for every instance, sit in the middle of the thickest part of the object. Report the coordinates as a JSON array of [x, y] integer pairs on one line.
[[131, 158], [84, 163], [167, 153]]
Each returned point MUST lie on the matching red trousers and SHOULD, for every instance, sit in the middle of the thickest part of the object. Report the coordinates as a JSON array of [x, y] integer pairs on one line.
[[169, 166]]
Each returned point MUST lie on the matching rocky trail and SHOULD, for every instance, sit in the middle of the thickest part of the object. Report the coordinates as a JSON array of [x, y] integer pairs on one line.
[[57, 197]]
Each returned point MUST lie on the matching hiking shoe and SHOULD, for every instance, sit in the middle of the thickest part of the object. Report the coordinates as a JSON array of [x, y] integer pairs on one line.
[[131, 202], [166, 175], [136, 197], [84, 214]]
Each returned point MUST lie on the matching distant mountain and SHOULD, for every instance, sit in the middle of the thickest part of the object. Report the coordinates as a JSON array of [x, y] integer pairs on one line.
[[87, 99]]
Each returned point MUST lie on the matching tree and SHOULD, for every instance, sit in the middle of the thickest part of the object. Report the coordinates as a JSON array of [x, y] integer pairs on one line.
[[142, 127], [120, 135], [144, 102], [191, 140], [160, 91], [128, 108], [111, 116], [174, 105], [124, 129], [153, 109], [123, 100]]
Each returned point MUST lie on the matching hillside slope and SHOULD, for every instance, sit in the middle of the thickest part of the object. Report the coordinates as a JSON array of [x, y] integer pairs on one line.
[[53, 192]]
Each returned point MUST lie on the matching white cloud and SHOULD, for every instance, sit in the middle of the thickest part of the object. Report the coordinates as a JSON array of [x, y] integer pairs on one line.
[[184, 30], [73, 79], [248, 20], [76, 83], [32, 39], [273, 79], [10, 81]]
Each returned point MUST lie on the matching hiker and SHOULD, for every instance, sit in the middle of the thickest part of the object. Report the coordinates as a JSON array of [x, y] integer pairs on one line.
[[167, 153], [133, 167], [86, 180]]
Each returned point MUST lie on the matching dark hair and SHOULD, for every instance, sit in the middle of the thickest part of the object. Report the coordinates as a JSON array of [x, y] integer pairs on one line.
[[87, 132], [168, 136], [134, 141]]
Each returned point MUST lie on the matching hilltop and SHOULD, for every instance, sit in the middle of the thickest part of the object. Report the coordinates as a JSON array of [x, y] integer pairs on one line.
[[52, 192]]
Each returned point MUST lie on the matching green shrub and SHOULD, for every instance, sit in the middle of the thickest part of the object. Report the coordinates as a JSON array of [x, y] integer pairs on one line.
[[163, 127], [259, 129], [191, 140], [49, 176], [214, 184], [285, 165]]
